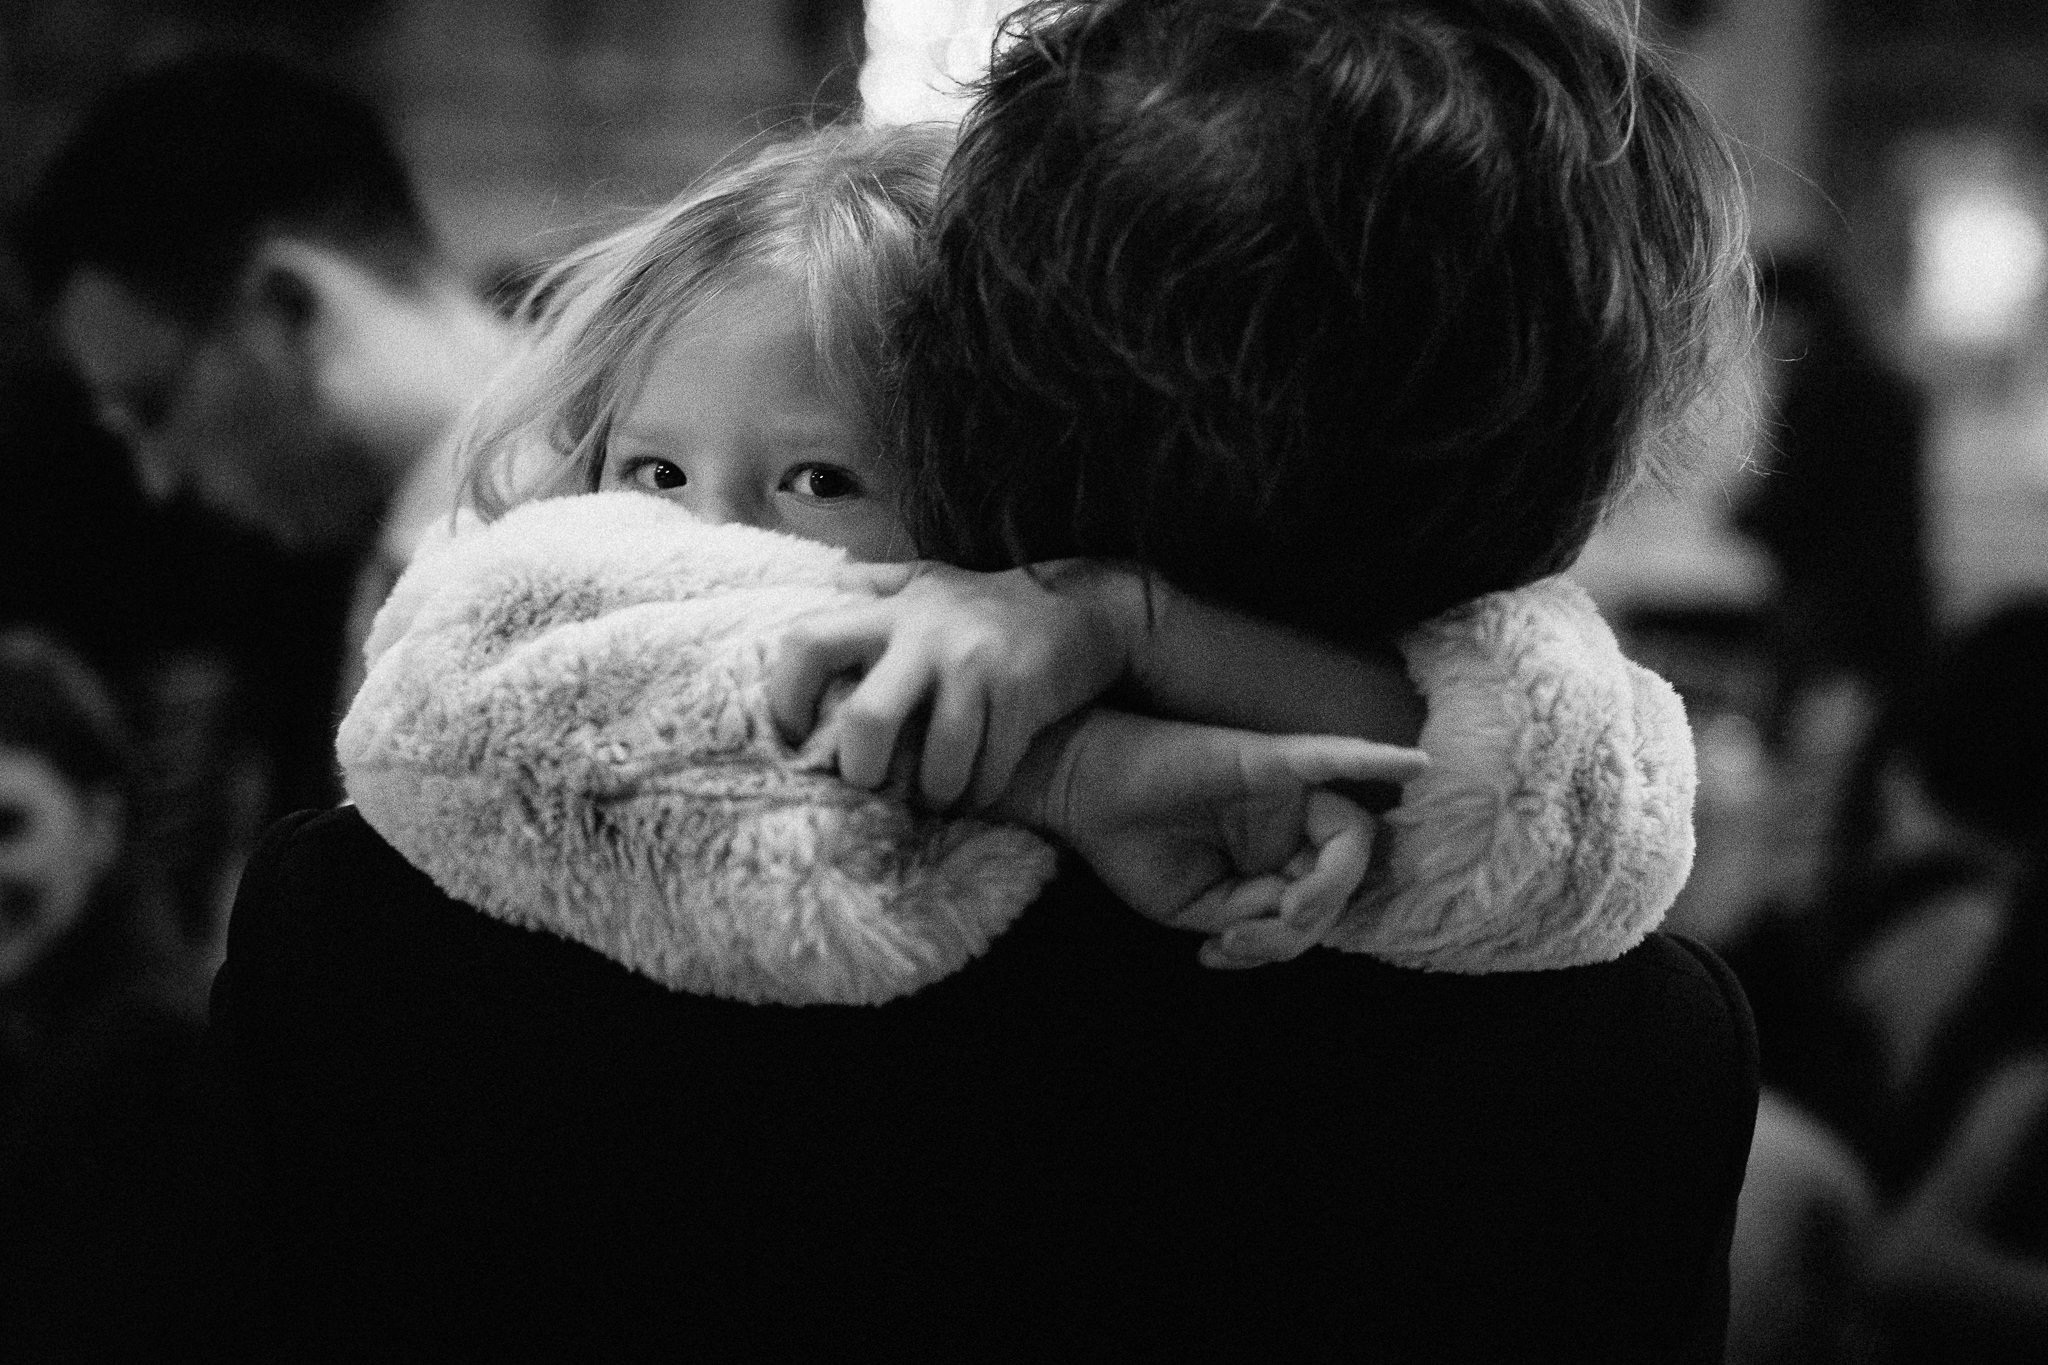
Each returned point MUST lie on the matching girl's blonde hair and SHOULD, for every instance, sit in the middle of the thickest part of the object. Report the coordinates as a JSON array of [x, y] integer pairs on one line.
[[841, 211]]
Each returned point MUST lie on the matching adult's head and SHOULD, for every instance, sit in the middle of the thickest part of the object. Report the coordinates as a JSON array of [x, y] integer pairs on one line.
[[1342, 311], [231, 254]]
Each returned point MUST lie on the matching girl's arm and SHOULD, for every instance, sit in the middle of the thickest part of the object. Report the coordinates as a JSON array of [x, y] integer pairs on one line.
[[1553, 827], [1195, 660], [1230, 832], [985, 662], [564, 724]]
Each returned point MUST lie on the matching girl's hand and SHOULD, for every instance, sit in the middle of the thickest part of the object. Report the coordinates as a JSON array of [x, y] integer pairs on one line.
[[1232, 833], [1280, 916], [989, 660]]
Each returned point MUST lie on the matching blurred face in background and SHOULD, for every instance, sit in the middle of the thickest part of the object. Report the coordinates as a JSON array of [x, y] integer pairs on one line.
[[56, 843], [229, 415]]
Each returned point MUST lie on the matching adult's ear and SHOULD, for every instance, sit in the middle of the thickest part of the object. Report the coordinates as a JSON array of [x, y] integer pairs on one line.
[[345, 332], [385, 362], [279, 303], [282, 287]]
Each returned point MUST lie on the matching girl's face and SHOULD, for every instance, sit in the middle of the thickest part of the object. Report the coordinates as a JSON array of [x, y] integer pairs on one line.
[[734, 421]]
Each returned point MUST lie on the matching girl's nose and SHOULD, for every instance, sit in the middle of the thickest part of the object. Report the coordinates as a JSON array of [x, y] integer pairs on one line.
[[725, 505]]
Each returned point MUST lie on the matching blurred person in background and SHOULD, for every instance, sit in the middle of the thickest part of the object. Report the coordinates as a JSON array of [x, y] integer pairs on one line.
[[1959, 986], [231, 257], [107, 1225], [85, 578], [191, 621], [1840, 507], [1898, 1188]]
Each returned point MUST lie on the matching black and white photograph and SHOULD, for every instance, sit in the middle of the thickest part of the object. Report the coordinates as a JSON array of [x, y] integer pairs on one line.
[[1040, 680]]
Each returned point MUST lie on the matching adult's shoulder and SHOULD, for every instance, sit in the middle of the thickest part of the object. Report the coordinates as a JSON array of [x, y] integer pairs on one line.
[[1645, 1040], [334, 933], [327, 877], [318, 877], [336, 842], [1690, 976], [1082, 1117]]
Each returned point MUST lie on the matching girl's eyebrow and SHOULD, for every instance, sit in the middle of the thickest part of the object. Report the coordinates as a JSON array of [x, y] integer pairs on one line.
[[788, 426], [642, 433], [803, 435]]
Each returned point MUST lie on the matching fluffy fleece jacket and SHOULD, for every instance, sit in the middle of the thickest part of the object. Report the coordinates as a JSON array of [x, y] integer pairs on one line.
[[1553, 826], [564, 723]]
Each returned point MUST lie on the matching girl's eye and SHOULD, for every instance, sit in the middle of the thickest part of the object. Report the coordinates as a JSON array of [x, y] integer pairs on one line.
[[824, 482], [658, 474]]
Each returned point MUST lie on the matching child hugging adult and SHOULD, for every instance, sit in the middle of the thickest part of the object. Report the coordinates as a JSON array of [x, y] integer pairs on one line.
[[1446, 270]]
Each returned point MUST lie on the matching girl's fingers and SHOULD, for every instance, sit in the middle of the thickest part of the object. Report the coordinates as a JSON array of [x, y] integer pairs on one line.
[[884, 580], [1330, 819], [951, 742], [1319, 882], [1320, 759], [869, 721], [1341, 834], [806, 660], [1214, 954], [1231, 902], [1003, 745], [1259, 942]]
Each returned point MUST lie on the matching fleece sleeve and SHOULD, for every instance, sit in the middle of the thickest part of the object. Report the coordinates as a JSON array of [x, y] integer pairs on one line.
[[564, 724], [1554, 824]]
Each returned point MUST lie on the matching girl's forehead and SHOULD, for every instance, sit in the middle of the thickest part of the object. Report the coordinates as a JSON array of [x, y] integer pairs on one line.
[[749, 355], [754, 304]]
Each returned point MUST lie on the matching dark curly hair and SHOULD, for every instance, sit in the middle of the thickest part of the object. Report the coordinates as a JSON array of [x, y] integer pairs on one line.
[[177, 173], [1343, 311]]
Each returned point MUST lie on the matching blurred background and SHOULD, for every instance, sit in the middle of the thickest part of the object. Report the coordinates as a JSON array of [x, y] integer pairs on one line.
[[1849, 599]]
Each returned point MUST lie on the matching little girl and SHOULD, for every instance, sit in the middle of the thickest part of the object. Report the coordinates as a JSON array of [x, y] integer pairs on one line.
[[580, 717]]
